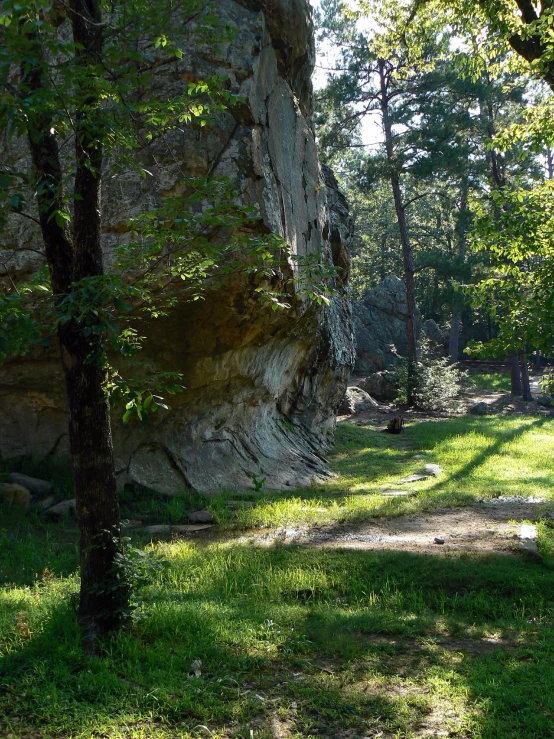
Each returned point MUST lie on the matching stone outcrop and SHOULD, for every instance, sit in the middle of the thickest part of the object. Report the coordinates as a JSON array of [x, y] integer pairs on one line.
[[262, 386], [380, 326]]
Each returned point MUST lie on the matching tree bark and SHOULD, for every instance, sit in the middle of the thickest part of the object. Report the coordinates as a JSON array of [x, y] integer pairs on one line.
[[454, 338], [515, 376], [455, 323], [525, 386], [104, 594], [407, 256]]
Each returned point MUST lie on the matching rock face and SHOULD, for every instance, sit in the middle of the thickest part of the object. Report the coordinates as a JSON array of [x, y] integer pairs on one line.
[[262, 387], [356, 400], [380, 326]]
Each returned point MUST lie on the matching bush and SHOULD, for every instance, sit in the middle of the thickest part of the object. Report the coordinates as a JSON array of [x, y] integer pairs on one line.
[[438, 383], [547, 382]]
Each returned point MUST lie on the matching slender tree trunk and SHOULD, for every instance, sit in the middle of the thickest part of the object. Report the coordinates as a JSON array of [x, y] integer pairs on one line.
[[104, 594], [515, 376], [525, 386], [454, 338], [407, 257], [456, 321]]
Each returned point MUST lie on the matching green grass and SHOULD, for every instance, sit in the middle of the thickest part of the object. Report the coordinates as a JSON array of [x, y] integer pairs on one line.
[[498, 381], [299, 641], [481, 458]]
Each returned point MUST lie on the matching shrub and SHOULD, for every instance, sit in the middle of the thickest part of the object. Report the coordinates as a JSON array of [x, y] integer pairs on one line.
[[438, 382]]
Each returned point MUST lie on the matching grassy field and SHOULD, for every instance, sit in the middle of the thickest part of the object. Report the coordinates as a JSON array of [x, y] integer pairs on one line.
[[498, 381], [285, 641]]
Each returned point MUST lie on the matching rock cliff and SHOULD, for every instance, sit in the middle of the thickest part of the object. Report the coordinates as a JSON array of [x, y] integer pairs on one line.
[[380, 326], [261, 386]]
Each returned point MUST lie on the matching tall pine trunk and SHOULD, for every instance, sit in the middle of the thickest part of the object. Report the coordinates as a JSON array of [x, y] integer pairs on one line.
[[71, 257], [407, 257], [456, 320]]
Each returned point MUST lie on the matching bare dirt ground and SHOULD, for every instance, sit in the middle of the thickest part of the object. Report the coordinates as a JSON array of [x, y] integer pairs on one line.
[[488, 528]]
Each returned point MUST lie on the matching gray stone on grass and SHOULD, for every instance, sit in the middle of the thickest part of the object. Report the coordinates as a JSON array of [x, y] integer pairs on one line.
[[36, 486], [203, 516], [165, 529], [433, 469], [190, 528], [64, 508], [414, 478], [546, 400], [45, 504], [528, 540], [479, 409]]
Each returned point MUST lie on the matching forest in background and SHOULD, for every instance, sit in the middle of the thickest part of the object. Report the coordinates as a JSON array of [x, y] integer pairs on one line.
[[440, 133]]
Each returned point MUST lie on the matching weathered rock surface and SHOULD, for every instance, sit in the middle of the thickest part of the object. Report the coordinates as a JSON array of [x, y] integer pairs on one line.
[[63, 508], [379, 385], [262, 387], [36, 486], [435, 333], [15, 494], [203, 516], [380, 326], [355, 401], [480, 409]]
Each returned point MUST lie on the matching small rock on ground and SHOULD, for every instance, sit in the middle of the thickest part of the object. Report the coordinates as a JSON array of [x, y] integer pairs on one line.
[[36, 486], [15, 494], [65, 508], [480, 409], [164, 529], [43, 505], [433, 469], [203, 516], [414, 478]]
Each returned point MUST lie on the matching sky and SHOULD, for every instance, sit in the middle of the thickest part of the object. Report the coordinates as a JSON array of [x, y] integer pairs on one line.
[[371, 130]]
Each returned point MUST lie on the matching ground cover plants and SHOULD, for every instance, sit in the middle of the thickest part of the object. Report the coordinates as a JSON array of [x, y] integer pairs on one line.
[[234, 639]]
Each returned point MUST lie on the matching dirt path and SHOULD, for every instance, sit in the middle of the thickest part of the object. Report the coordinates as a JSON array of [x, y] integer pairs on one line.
[[489, 527]]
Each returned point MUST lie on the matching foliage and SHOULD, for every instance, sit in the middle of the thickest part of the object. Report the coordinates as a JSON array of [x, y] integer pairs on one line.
[[438, 382], [547, 382]]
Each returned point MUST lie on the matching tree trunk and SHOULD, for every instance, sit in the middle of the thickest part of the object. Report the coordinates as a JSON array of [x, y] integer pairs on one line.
[[104, 594], [461, 228], [454, 339], [515, 376], [525, 386], [407, 257]]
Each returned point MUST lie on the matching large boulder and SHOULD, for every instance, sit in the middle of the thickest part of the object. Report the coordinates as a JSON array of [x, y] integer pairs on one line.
[[262, 386], [380, 385], [380, 326]]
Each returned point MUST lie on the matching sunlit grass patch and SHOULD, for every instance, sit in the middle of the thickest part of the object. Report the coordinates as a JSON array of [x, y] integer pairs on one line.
[[497, 381]]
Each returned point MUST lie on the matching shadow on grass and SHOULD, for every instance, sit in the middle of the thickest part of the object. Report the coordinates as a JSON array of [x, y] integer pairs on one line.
[[329, 641]]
